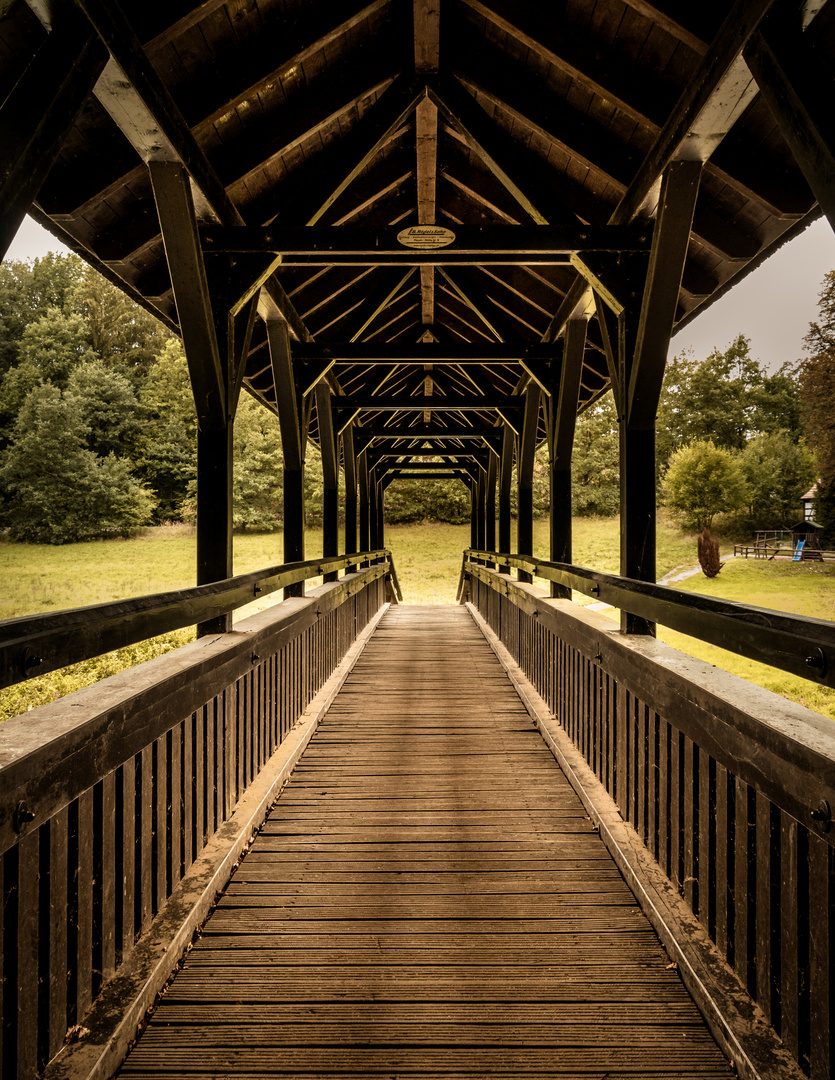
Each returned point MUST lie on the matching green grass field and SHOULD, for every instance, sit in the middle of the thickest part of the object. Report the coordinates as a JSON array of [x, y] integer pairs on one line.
[[428, 561]]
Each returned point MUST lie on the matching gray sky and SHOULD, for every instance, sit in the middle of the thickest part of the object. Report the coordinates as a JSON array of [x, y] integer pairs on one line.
[[773, 306]]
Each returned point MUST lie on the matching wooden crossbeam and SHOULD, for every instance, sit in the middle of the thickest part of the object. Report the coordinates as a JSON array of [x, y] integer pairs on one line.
[[417, 403], [432, 353], [372, 245]]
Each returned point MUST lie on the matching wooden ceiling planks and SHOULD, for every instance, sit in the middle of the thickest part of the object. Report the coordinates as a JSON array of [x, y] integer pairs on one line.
[[470, 112]]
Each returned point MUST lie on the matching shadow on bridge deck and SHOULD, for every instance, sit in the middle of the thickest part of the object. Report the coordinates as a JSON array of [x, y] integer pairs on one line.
[[427, 898]]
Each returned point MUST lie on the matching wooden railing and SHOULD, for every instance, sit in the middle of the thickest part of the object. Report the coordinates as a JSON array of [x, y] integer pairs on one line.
[[123, 805], [728, 787], [37, 644]]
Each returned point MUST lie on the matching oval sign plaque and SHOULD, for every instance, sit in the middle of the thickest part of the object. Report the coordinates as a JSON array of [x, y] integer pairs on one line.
[[426, 237]]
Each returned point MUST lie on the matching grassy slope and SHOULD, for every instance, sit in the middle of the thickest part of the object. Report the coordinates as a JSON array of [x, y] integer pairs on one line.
[[428, 561]]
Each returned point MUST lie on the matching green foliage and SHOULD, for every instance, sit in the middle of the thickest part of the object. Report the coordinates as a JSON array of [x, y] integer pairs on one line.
[[58, 491], [703, 480], [595, 469], [108, 406], [726, 398], [120, 332], [258, 463], [817, 385], [427, 500], [777, 472]]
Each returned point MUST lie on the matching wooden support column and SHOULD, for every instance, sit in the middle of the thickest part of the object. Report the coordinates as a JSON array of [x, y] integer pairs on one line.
[[563, 421], [291, 416], [38, 114], [212, 370], [474, 515], [642, 371], [365, 506], [505, 481], [524, 475], [328, 444], [380, 492], [490, 506], [481, 505], [350, 461]]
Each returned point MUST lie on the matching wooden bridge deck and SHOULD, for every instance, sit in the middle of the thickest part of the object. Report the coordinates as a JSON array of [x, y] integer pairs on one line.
[[427, 899]]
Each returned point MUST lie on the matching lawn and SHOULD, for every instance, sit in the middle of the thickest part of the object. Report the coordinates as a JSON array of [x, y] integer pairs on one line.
[[428, 561]]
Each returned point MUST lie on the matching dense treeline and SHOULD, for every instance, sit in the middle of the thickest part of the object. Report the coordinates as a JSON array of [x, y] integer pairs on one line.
[[98, 433]]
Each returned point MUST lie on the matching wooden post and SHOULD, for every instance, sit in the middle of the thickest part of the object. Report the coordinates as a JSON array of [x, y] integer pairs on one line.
[[291, 416], [490, 506], [524, 476], [350, 460], [481, 510], [381, 525], [642, 367], [365, 508], [563, 420], [212, 371], [505, 479], [328, 444]]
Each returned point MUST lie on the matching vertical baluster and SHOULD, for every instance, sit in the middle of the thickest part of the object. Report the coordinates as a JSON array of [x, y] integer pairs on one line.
[[689, 825], [28, 944], [209, 759], [146, 838], [189, 784], [707, 844], [621, 793], [199, 781], [611, 735], [58, 953], [821, 916], [789, 927], [742, 882], [176, 805], [763, 886], [84, 957], [721, 861], [161, 812], [127, 852], [675, 872], [664, 808], [652, 783], [106, 876], [641, 753]]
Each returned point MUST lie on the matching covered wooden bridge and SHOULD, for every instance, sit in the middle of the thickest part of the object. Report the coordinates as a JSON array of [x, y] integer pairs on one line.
[[521, 840]]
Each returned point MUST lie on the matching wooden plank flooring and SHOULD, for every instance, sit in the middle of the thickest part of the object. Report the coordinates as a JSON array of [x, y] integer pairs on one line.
[[427, 899]]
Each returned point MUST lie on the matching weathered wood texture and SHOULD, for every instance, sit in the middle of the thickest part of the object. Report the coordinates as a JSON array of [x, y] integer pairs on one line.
[[723, 783], [110, 795], [427, 898]]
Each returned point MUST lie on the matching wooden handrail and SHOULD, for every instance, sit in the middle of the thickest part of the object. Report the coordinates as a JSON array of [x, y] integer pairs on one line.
[[801, 645], [37, 644]]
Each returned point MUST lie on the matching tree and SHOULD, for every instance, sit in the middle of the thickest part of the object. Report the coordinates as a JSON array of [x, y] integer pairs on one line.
[[817, 383], [56, 490], [27, 291], [166, 452], [777, 472], [258, 464], [713, 399], [120, 332], [702, 481], [108, 407], [595, 467]]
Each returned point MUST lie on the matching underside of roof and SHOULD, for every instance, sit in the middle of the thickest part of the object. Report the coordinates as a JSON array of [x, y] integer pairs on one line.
[[533, 136]]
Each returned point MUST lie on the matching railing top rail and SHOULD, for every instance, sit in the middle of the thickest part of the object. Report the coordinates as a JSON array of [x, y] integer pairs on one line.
[[37, 644], [799, 644]]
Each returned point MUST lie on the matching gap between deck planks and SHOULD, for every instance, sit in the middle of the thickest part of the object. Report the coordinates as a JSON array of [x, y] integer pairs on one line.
[[427, 899]]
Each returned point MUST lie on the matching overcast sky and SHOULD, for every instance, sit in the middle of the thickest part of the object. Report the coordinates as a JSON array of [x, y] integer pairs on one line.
[[773, 306]]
